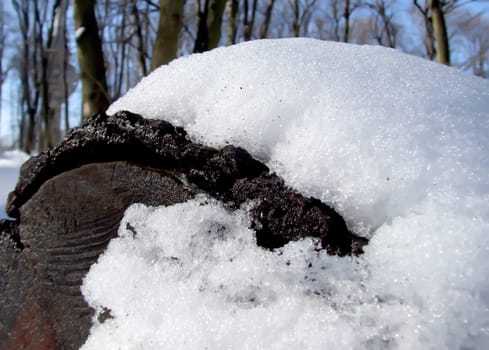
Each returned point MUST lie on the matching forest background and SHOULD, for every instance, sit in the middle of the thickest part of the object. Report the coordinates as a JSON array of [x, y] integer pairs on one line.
[[63, 60]]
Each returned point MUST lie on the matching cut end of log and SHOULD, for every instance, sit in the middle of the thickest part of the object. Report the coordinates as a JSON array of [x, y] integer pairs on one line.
[[69, 201]]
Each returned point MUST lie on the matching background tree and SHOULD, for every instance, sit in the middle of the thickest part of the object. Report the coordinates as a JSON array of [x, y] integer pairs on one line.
[[95, 96], [3, 71], [58, 77], [249, 18], [141, 50], [384, 28], [267, 18], [436, 31], [301, 15], [41, 71], [440, 32], [166, 44], [232, 7], [434, 13], [209, 14], [337, 17], [471, 43]]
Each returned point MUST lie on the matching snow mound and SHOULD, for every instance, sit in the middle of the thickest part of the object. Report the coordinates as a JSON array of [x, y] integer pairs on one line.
[[368, 129], [398, 145]]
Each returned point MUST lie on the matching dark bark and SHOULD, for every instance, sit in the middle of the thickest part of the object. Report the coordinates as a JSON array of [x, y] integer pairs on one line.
[[209, 19], [346, 16], [202, 38], [296, 18], [249, 19], [91, 59], [157, 144], [266, 21], [139, 38]]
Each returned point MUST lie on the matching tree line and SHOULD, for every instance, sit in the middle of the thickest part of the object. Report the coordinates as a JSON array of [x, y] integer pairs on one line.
[[109, 45]]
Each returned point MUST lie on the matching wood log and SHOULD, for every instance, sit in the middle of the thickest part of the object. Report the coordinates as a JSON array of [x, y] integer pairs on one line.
[[69, 201]]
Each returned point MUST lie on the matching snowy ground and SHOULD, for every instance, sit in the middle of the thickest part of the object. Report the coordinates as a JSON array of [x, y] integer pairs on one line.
[[10, 163]]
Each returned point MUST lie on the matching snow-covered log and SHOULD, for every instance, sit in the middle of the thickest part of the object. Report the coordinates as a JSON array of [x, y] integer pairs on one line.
[[69, 202]]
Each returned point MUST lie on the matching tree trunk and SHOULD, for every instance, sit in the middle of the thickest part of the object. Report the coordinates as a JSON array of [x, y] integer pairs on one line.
[[66, 84], [50, 132], [121, 47], [209, 24], [61, 75], [440, 32], [140, 39], [389, 27], [429, 39], [346, 15], [214, 22], [91, 58], [28, 73], [202, 39], [296, 21], [166, 44], [248, 24], [232, 10], [2, 43], [266, 22]]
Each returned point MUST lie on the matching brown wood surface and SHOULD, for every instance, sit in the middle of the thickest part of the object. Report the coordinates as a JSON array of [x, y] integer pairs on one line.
[[67, 224]]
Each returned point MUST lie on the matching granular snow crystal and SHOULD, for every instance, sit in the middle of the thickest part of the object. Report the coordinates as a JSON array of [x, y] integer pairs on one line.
[[396, 144]]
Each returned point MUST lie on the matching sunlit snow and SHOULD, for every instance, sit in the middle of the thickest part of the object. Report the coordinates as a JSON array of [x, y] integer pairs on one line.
[[398, 145]]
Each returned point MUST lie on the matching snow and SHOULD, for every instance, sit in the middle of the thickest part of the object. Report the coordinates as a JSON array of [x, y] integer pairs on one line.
[[398, 145], [10, 162], [79, 32]]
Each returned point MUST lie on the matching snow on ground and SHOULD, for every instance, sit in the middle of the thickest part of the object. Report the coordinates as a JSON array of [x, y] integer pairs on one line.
[[398, 145], [10, 162]]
